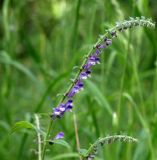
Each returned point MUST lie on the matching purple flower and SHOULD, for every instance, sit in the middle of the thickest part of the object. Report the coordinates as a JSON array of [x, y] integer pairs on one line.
[[76, 88], [108, 42], [97, 51], [113, 34], [85, 74], [59, 111], [93, 60], [101, 46], [69, 105], [59, 136]]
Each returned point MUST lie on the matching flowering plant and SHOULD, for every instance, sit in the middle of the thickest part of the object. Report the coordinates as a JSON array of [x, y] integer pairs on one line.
[[93, 58]]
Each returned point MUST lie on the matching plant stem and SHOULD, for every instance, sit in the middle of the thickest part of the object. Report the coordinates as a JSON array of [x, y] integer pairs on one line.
[[76, 133], [123, 78], [45, 140], [38, 136]]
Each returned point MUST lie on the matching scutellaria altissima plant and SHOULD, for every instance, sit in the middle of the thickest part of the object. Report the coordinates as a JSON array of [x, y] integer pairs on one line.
[[85, 71]]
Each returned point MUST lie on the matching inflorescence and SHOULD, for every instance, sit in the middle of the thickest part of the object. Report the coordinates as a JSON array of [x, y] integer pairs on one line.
[[93, 150], [92, 59], [86, 70]]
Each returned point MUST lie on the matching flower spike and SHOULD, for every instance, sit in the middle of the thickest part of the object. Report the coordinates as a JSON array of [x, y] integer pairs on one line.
[[93, 58]]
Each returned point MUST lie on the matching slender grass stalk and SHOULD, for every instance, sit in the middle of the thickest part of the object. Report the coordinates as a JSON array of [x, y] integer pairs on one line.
[[5, 20], [76, 133], [123, 78], [76, 24], [143, 123], [155, 84], [38, 135], [92, 111], [137, 79]]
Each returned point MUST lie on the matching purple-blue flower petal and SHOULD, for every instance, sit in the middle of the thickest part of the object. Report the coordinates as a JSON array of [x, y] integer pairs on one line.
[[93, 60], [76, 88], [102, 46], [97, 51], [59, 136], [69, 105], [108, 42], [85, 74], [58, 111]]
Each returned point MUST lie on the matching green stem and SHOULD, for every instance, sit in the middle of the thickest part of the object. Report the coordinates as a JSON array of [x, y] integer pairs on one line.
[[38, 136], [123, 78], [76, 133], [45, 140]]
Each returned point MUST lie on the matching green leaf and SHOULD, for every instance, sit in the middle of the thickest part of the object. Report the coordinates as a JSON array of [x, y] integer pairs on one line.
[[6, 59], [65, 156], [22, 125], [62, 142], [96, 92], [4, 125]]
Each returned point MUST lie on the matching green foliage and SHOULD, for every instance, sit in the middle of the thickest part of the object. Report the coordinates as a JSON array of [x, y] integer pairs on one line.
[[65, 156], [22, 125], [5, 59], [62, 142], [96, 94]]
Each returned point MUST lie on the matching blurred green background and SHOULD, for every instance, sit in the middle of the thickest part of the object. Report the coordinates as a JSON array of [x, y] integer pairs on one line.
[[40, 43]]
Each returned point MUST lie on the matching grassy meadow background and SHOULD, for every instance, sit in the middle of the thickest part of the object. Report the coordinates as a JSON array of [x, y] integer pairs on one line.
[[42, 42]]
